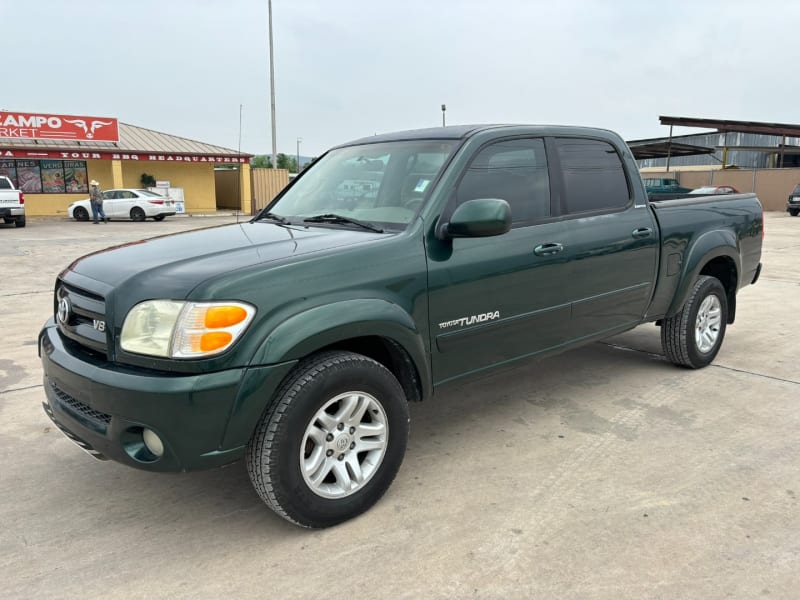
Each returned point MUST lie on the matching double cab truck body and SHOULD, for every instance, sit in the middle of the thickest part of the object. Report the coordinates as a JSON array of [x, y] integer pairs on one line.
[[12, 203], [393, 266]]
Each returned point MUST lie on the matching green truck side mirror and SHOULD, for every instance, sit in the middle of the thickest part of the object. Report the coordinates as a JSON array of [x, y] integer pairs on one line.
[[482, 217]]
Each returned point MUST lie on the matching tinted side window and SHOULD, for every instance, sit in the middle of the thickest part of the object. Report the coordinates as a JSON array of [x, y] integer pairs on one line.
[[515, 171], [593, 175]]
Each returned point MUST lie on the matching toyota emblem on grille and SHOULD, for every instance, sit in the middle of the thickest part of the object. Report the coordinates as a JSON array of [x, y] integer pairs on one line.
[[64, 310]]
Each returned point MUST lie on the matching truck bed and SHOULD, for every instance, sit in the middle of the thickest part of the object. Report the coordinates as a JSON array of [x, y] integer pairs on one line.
[[695, 223]]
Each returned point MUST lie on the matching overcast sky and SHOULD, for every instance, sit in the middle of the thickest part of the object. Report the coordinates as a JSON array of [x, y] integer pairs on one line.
[[349, 68]]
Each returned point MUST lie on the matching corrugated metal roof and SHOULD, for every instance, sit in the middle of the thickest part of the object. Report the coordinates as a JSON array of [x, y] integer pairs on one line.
[[789, 129], [131, 139], [644, 149], [746, 157]]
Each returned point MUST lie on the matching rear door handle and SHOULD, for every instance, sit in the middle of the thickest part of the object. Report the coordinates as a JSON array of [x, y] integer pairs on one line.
[[547, 249], [642, 232]]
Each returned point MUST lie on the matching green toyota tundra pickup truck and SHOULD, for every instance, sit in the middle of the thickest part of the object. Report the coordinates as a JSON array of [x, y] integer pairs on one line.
[[393, 266]]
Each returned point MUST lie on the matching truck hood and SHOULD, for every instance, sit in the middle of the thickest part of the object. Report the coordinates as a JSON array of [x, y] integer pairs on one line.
[[172, 265]]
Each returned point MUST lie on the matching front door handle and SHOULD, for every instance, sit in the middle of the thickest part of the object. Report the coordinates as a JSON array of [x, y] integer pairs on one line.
[[642, 232], [547, 249]]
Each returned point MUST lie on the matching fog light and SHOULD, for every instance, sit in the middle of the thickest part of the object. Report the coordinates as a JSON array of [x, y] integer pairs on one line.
[[153, 442]]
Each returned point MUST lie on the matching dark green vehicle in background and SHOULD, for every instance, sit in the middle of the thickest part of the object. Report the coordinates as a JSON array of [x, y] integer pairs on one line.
[[664, 187], [393, 266]]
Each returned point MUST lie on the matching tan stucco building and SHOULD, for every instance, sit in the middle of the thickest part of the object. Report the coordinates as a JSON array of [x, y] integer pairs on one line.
[[55, 173]]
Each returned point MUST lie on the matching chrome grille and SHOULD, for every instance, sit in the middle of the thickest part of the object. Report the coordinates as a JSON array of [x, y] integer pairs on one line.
[[80, 316]]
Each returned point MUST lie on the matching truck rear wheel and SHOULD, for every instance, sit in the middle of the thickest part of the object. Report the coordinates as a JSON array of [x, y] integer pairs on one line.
[[794, 211], [20, 222], [332, 442], [692, 338]]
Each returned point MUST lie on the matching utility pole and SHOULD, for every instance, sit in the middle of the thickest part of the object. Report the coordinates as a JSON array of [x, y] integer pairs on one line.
[[272, 91], [298, 153], [444, 108]]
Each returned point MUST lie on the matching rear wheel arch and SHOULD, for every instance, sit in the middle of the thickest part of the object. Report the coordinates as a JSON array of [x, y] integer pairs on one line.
[[724, 269], [714, 254]]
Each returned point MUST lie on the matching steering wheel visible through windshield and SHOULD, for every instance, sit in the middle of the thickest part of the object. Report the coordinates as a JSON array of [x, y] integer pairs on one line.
[[380, 184]]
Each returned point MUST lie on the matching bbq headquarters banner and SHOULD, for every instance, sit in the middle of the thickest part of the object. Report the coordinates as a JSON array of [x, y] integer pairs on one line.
[[145, 156], [32, 126]]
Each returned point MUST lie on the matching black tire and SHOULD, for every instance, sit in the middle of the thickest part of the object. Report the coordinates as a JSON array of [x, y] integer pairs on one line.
[[20, 222], [794, 211], [159, 217], [80, 214], [137, 214], [274, 456], [678, 332]]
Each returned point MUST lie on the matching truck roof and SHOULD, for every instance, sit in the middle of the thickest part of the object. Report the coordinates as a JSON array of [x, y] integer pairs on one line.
[[454, 132]]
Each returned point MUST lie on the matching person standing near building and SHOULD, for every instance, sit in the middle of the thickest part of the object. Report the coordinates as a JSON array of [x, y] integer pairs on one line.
[[96, 198]]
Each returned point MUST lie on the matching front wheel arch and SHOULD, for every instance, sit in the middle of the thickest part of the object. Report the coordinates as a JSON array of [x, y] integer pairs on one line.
[[393, 341]]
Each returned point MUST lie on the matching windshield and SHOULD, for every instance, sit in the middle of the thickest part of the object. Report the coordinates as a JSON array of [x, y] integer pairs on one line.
[[383, 184], [797, 189]]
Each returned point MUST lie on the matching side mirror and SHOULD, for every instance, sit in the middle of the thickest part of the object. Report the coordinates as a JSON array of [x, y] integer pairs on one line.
[[483, 217]]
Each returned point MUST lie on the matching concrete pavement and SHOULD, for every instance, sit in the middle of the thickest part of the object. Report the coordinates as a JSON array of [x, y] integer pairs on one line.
[[602, 473]]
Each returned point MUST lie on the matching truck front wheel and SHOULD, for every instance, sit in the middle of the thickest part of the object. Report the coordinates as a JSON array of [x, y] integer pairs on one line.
[[332, 441], [693, 337]]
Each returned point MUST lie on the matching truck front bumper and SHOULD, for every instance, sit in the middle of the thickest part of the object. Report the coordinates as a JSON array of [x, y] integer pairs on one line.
[[201, 420]]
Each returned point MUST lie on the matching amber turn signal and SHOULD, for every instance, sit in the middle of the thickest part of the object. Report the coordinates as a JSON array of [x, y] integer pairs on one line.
[[214, 340], [219, 317]]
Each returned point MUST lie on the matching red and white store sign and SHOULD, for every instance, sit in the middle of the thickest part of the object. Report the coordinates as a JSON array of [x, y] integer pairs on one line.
[[33, 126], [66, 154]]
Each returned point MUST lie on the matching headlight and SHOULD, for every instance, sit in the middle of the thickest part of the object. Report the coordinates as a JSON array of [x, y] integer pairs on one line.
[[184, 329]]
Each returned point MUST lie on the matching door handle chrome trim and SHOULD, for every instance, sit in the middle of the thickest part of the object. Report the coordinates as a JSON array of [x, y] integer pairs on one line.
[[548, 249], [642, 232]]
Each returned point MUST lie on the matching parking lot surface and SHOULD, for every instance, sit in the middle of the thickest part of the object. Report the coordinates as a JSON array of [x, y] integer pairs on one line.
[[605, 472]]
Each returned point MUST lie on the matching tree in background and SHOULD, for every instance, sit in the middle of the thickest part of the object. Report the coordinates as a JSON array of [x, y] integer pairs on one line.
[[262, 161], [287, 162]]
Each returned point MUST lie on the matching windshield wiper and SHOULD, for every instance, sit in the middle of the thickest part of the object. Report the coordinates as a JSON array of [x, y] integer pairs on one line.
[[273, 217], [333, 218]]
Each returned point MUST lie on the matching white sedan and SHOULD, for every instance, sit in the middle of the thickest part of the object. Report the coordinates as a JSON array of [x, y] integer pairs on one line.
[[133, 204]]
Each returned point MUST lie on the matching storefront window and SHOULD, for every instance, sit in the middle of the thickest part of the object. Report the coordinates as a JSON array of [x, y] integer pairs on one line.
[[52, 176], [8, 169], [30, 176], [75, 176], [47, 176]]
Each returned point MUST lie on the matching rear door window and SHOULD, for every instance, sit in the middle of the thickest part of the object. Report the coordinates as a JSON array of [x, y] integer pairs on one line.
[[593, 176]]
